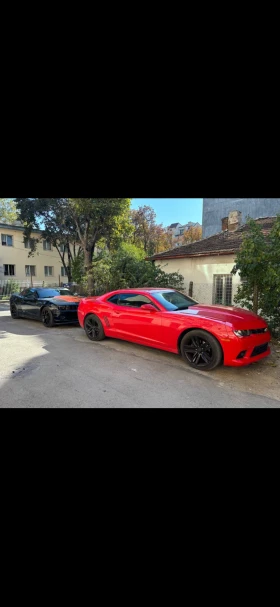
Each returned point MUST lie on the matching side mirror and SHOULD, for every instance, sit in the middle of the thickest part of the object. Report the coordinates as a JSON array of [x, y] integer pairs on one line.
[[148, 307]]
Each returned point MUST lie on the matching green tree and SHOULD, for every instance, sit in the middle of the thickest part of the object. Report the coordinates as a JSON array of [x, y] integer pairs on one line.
[[130, 270], [85, 221], [258, 263], [8, 210], [51, 216], [143, 220], [251, 263]]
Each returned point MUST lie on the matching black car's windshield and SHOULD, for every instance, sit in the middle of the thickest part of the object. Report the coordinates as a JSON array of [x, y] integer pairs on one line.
[[43, 293], [173, 300], [64, 292]]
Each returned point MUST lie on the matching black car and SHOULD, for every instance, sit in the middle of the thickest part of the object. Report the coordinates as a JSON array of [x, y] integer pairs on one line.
[[51, 306]]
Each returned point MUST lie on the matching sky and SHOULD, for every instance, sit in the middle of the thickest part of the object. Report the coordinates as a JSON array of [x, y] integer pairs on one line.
[[172, 210]]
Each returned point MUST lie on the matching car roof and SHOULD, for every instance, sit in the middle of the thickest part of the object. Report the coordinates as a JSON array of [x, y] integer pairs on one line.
[[143, 289]]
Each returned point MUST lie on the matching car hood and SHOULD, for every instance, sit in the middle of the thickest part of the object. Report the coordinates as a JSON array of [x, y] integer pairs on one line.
[[238, 316], [64, 299]]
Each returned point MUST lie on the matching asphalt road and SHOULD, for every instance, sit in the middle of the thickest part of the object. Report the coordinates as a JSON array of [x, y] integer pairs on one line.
[[60, 367]]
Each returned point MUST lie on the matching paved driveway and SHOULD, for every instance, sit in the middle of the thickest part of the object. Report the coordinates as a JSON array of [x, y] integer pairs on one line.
[[60, 367]]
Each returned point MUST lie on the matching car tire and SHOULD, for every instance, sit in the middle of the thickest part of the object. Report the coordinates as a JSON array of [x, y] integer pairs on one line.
[[94, 328], [14, 311], [200, 350], [47, 318]]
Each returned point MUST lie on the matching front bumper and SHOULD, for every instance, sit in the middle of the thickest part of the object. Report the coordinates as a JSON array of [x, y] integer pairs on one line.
[[242, 351], [65, 317]]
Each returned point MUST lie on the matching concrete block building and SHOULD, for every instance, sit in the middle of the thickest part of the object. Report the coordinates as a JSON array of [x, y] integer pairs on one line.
[[216, 212]]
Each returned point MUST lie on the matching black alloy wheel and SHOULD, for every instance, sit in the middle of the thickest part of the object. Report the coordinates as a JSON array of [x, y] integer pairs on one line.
[[93, 328], [14, 311], [47, 318], [201, 350]]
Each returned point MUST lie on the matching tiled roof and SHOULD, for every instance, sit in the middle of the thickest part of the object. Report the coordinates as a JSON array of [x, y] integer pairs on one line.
[[218, 244], [174, 225]]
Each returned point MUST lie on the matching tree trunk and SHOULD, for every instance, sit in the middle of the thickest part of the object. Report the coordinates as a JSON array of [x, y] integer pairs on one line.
[[88, 270], [256, 299], [69, 269]]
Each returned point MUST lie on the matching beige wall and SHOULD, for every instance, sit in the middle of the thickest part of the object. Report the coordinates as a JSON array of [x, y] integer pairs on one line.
[[17, 255], [200, 270]]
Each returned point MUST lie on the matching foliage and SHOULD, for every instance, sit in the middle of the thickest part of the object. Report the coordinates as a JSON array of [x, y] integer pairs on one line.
[[11, 286], [149, 235], [76, 220], [192, 235], [88, 224], [8, 210], [258, 262], [78, 268], [127, 268]]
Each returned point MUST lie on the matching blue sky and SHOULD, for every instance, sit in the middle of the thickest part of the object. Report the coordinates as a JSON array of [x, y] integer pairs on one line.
[[171, 210]]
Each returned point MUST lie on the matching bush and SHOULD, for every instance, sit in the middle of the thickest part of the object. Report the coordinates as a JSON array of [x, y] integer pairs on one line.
[[10, 287], [258, 263], [127, 269]]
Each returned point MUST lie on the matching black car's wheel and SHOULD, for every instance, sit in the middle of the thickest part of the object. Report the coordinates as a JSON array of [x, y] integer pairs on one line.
[[201, 350], [47, 318], [93, 328], [14, 311]]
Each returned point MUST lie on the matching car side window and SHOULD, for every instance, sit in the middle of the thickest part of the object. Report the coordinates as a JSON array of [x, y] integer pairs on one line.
[[133, 300], [29, 293], [114, 299]]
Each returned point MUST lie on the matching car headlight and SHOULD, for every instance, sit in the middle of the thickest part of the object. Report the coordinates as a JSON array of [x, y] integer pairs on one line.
[[242, 333]]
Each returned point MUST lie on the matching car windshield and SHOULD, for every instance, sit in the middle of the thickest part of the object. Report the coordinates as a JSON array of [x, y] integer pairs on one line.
[[173, 300], [64, 292], [48, 293]]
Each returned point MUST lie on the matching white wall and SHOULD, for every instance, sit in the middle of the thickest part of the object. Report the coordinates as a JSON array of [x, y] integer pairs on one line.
[[200, 270]]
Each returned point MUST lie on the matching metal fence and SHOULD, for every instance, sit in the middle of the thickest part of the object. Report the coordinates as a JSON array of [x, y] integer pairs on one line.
[[8, 287], [221, 291]]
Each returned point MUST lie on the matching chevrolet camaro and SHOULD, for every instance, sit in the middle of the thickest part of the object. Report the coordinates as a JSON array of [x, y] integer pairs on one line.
[[51, 306], [205, 336]]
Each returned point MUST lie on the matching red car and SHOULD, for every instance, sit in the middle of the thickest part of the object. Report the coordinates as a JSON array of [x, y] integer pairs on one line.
[[205, 336]]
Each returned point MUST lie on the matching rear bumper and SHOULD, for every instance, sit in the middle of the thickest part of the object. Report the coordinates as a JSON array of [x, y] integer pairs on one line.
[[246, 350]]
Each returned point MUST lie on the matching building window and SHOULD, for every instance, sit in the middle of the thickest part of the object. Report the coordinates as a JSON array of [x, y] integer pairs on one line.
[[63, 272], [222, 289], [30, 270], [48, 271], [7, 241], [47, 245], [62, 248], [28, 243], [182, 231], [9, 270]]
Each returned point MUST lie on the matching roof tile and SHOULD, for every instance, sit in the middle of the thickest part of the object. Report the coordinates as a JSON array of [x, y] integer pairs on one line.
[[223, 242]]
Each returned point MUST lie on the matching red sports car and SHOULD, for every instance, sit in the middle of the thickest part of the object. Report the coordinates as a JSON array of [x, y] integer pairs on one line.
[[205, 336]]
